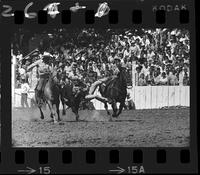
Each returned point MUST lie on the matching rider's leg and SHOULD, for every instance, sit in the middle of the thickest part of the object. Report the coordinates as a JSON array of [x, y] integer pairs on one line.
[[39, 89], [93, 87], [96, 84], [40, 85], [102, 99], [44, 84]]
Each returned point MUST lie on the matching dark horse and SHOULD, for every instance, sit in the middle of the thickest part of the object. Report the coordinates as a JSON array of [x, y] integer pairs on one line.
[[51, 96], [116, 91], [70, 99]]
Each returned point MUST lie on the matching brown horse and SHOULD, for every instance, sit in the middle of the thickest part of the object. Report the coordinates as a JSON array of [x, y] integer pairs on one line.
[[51, 96], [116, 91]]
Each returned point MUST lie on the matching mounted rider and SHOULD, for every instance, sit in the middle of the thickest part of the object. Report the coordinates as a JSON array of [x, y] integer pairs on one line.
[[44, 68], [115, 69]]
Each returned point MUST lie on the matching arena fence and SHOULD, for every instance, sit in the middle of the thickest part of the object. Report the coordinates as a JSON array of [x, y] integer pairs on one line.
[[144, 97]]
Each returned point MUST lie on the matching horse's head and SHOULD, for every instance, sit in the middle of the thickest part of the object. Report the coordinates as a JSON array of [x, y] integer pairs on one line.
[[122, 76], [54, 78]]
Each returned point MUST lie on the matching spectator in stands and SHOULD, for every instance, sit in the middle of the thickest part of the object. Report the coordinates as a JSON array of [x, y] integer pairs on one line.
[[186, 78], [160, 48], [137, 75], [24, 93], [142, 81], [129, 104], [163, 79], [181, 76], [150, 76], [172, 79], [157, 77]]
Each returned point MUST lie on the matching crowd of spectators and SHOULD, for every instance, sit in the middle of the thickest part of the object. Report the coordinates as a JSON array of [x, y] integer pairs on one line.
[[158, 56]]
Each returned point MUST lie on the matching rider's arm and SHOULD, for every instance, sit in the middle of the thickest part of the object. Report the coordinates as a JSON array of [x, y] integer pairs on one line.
[[34, 64]]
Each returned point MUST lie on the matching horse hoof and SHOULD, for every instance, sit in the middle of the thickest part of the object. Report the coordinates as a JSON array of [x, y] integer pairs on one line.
[[55, 121], [42, 117]]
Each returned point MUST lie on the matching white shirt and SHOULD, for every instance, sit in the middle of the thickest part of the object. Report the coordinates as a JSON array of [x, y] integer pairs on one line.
[[22, 71], [145, 70], [25, 88], [163, 80], [126, 53], [110, 59], [147, 42]]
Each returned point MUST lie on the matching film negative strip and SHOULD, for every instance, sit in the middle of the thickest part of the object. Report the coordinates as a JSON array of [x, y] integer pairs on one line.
[[105, 87]]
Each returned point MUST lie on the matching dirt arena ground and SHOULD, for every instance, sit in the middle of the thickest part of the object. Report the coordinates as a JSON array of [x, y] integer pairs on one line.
[[139, 128]]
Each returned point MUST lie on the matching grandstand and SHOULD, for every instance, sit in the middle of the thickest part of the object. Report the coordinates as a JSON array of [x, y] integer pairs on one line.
[[152, 57]]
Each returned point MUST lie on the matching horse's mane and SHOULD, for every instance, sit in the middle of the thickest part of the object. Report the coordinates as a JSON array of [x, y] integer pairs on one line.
[[121, 77], [53, 77]]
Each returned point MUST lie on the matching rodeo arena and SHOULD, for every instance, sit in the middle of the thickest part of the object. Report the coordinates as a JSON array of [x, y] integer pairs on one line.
[[101, 88]]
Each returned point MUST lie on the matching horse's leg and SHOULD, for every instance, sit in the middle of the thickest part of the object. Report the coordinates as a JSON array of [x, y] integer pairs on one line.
[[77, 116], [108, 112], [75, 111], [51, 115], [64, 107], [114, 106], [63, 102], [121, 106], [106, 107], [57, 110], [52, 109], [41, 113], [39, 105]]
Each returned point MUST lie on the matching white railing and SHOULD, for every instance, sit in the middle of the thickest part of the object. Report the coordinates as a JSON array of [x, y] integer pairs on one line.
[[144, 97], [154, 97]]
